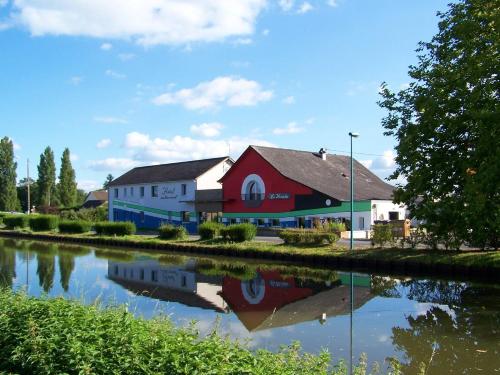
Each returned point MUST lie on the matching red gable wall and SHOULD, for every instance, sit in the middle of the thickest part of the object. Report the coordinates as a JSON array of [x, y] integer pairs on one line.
[[252, 163]]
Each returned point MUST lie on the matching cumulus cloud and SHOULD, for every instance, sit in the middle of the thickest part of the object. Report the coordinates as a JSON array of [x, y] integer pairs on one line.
[[383, 165], [230, 91], [147, 22], [106, 46], [74, 157], [111, 73], [291, 128], [207, 129], [145, 149], [88, 185], [103, 143], [286, 5], [304, 8], [332, 3], [110, 120], [76, 80], [113, 164], [289, 100]]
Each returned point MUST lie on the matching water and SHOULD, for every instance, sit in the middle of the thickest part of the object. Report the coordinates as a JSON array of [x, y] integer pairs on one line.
[[452, 325]]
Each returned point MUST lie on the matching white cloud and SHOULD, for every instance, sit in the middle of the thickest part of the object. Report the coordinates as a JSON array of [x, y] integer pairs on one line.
[[76, 80], [243, 41], [231, 91], [291, 128], [149, 150], [110, 120], [74, 157], [265, 32], [332, 3], [146, 22], [207, 129], [106, 46], [310, 121], [126, 56], [304, 8], [289, 100], [16, 146], [3, 3], [286, 5], [115, 75], [386, 161], [113, 164], [88, 185], [103, 143]]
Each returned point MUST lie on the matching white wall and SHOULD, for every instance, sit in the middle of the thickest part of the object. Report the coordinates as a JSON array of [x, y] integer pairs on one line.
[[381, 208], [209, 179]]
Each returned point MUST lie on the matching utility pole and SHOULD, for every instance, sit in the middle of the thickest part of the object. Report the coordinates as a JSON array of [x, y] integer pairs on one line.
[[29, 183]]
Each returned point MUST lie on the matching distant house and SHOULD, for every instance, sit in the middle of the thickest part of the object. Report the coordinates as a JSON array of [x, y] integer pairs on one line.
[[95, 199], [274, 187], [185, 193]]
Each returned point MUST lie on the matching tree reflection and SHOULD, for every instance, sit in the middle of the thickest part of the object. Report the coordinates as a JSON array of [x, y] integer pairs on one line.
[[7, 267], [66, 267], [45, 270]]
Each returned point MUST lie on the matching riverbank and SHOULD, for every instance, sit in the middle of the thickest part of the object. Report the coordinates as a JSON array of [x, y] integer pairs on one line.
[[442, 263]]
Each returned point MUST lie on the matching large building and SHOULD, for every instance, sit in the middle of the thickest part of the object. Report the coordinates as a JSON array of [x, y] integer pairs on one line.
[[273, 187], [184, 193]]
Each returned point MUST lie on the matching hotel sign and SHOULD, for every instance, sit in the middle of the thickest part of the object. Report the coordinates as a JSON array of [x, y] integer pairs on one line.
[[168, 192], [278, 196]]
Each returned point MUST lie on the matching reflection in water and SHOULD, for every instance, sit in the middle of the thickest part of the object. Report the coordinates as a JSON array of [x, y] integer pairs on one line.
[[452, 327]]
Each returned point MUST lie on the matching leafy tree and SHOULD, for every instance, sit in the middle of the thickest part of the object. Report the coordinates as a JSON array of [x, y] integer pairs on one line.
[[45, 270], [46, 177], [67, 191], [80, 197], [66, 267], [22, 192], [8, 192], [446, 125], [109, 178]]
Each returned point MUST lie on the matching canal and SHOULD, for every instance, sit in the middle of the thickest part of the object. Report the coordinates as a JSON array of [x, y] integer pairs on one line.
[[451, 325]]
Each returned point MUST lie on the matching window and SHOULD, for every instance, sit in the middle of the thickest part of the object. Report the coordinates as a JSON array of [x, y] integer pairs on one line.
[[232, 221], [393, 215], [131, 273], [361, 223], [124, 192], [183, 280], [154, 276], [141, 274], [185, 216], [131, 191], [142, 216], [154, 191], [260, 222], [275, 222], [141, 191], [183, 189], [116, 193], [116, 270]]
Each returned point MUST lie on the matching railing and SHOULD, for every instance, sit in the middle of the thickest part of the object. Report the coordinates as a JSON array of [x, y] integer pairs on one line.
[[252, 197]]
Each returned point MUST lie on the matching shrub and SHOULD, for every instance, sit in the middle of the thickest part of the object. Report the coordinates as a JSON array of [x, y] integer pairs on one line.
[[382, 233], [107, 228], [43, 222], [335, 227], [16, 221], [209, 230], [307, 236], [239, 232], [79, 226], [224, 232], [93, 215], [172, 232]]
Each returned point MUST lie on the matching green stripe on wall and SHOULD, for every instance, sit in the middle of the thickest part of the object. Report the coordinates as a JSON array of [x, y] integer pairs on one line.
[[359, 206], [150, 209]]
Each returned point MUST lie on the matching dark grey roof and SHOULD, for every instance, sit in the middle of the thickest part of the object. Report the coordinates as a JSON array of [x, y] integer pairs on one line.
[[187, 170], [330, 176]]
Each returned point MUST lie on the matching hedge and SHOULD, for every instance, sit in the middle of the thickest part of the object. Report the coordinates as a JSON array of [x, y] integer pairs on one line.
[[307, 236], [77, 226], [239, 232], [381, 234], [172, 232], [16, 221], [43, 222], [122, 228], [209, 230], [57, 336]]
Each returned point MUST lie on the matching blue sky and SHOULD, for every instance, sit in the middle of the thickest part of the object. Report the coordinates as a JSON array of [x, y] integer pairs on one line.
[[125, 82]]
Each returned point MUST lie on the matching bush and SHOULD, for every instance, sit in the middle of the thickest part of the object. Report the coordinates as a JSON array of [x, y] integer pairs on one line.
[[307, 236], [209, 230], [16, 221], [239, 232], [107, 228], [382, 233], [335, 227], [172, 232], [93, 215], [43, 222], [79, 226]]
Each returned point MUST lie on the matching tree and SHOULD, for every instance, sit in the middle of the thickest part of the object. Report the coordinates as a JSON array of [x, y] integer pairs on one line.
[[46, 177], [67, 184], [109, 178], [80, 197], [8, 192], [22, 192], [446, 126]]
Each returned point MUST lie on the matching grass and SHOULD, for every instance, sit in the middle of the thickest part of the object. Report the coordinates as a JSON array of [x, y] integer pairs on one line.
[[55, 336]]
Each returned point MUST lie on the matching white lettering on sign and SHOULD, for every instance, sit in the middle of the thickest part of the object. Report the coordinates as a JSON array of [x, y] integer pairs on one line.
[[168, 192], [278, 196]]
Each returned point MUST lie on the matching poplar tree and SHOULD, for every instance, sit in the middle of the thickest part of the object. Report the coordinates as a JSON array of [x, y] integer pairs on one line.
[[46, 177], [67, 183], [8, 190]]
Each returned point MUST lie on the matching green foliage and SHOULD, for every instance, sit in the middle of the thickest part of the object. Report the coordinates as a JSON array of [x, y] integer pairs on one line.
[[307, 236], [46, 178], [446, 126], [8, 191], [335, 227], [16, 221], [106, 228], [78, 226], [86, 214], [67, 181], [43, 222], [209, 230], [108, 180], [22, 193], [172, 232], [382, 234], [239, 232], [41, 336]]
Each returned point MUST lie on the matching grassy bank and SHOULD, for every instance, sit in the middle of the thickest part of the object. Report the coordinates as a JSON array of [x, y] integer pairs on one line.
[[431, 262], [54, 336]]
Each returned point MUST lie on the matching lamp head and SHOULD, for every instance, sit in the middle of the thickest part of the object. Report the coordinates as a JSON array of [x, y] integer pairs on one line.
[[353, 135]]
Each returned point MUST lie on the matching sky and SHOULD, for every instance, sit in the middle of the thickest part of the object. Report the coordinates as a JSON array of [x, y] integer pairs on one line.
[[124, 83]]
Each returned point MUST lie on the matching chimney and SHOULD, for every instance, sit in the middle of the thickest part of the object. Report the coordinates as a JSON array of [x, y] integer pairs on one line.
[[322, 153]]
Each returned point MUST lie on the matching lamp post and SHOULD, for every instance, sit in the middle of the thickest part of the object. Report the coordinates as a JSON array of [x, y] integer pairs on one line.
[[351, 243]]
